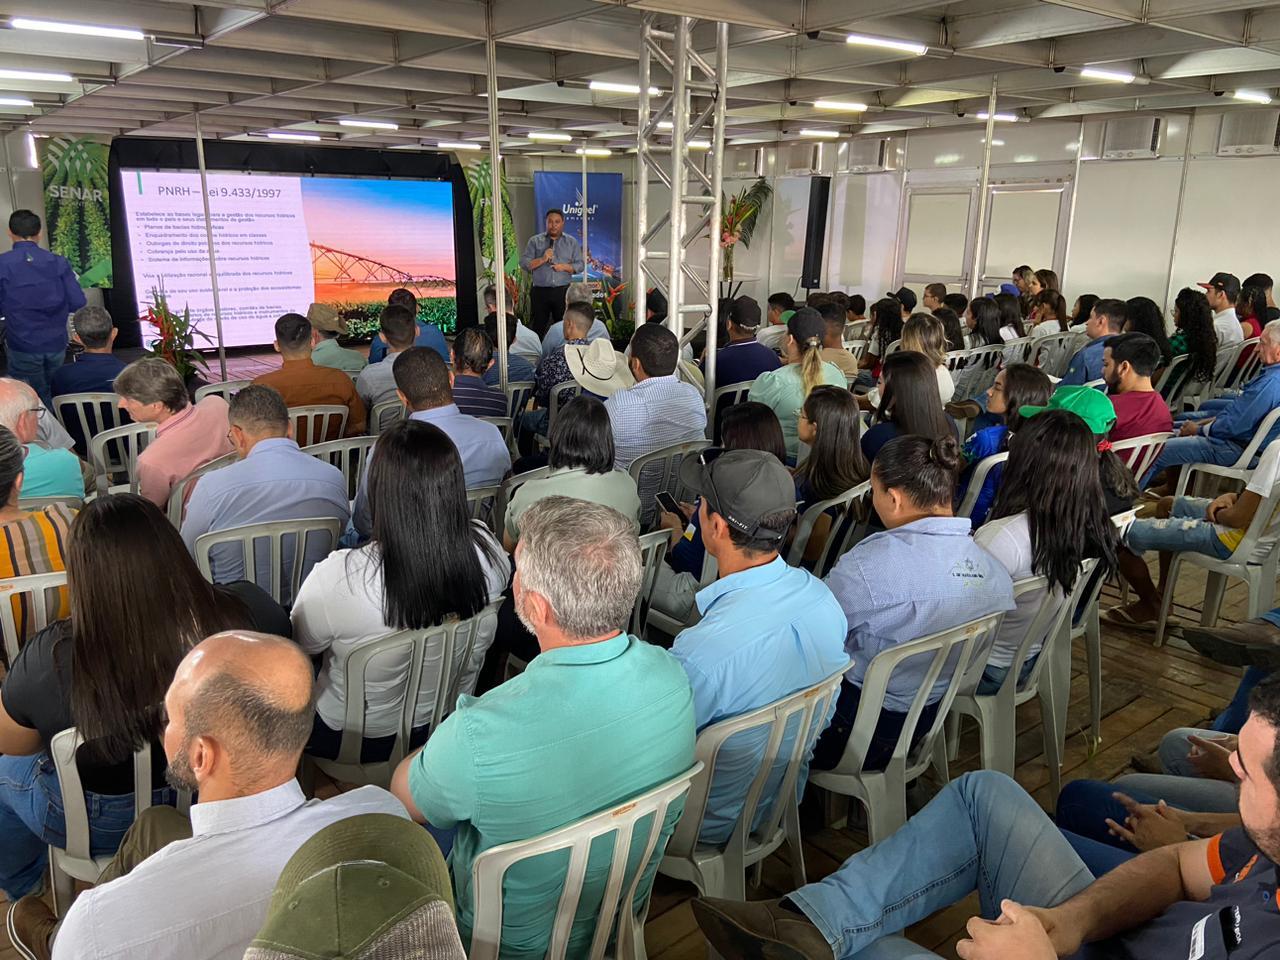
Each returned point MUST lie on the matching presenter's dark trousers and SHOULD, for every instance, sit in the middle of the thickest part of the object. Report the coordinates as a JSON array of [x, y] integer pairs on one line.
[[546, 307]]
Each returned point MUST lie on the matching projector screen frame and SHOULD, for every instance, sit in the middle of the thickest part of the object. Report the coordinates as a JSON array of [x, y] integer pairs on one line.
[[225, 156]]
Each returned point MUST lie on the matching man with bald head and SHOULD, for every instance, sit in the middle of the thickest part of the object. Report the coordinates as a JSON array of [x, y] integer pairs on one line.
[[239, 709]]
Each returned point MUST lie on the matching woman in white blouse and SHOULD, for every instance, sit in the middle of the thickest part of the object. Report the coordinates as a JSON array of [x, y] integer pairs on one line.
[[428, 561]]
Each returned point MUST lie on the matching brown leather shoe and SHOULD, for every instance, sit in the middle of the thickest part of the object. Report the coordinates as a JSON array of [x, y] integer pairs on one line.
[[1254, 643], [760, 930], [31, 924]]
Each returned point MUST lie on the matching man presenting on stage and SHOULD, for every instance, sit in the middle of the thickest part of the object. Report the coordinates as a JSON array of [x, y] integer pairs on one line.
[[552, 258]]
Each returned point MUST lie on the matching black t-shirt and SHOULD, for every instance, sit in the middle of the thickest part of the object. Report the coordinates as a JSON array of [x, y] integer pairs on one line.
[[1273, 313], [37, 692], [1239, 921]]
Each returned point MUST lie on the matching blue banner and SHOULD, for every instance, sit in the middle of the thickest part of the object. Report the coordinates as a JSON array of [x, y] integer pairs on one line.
[[563, 191]]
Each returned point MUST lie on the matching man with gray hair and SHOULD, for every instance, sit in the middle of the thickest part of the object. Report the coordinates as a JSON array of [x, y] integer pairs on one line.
[[47, 471], [577, 293], [596, 718], [96, 367]]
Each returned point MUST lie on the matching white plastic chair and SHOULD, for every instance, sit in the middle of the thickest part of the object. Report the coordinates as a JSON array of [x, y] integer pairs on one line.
[[618, 906], [384, 415], [507, 490], [1053, 353], [482, 504], [1139, 453], [91, 412], [653, 548], [978, 480], [1019, 350], [115, 451], [503, 424], [981, 364], [518, 394], [660, 471], [1239, 470], [451, 645], [1234, 376], [348, 454], [316, 422], [176, 506], [31, 504], [250, 535], [226, 389], [560, 394], [884, 792], [39, 596], [722, 400], [848, 526], [721, 871]]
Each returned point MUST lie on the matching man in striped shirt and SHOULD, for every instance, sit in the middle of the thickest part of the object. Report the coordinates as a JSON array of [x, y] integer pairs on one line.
[[472, 356]]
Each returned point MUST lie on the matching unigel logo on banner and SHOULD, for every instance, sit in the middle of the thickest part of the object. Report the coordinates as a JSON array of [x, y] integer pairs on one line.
[[562, 191]]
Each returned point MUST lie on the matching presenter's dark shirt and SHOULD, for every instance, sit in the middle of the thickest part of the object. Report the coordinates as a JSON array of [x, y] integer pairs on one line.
[[38, 292]]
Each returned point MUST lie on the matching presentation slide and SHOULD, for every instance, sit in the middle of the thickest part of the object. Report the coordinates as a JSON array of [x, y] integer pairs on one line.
[[284, 241]]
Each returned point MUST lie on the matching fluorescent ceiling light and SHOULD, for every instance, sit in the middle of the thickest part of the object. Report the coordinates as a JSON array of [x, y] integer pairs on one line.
[[608, 86], [994, 142], [850, 106], [457, 145], [666, 125], [371, 124], [906, 46], [699, 144], [407, 146], [41, 75], [594, 152], [1252, 96], [1117, 76], [1000, 117], [820, 134], [83, 29], [15, 102], [308, 137], [551, 136]]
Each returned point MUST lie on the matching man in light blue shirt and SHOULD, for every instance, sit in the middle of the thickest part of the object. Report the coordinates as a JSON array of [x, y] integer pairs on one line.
[[767, 631], [580, 294], [428, 335], [48, 470], [425, 386], [1105, 321], [273, 480], [551, 259], [596, 719]]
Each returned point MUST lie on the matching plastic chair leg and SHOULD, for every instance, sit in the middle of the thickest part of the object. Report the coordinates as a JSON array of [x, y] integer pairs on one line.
[[951, 737], [940, 759], [791, 822], [998, 727], [1166, 597], [712, 878], [64, 887], [886, 807], [1093, 652], [1214, 586], [1049, 695]]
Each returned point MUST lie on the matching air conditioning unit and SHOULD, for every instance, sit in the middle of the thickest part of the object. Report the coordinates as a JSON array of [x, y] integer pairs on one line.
[[1137, 138], [799, 158], [743, 163], [1249, 133], [864, 156]]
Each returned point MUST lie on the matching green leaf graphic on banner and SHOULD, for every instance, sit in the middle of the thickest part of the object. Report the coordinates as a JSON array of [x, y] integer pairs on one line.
[[77, 218]]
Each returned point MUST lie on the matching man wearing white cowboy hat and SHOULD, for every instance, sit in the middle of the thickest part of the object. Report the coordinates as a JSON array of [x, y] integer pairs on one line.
[[598, 368], [326, 326]]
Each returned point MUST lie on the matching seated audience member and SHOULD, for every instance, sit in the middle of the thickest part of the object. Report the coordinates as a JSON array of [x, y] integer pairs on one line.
[[1011, 326], [272, 480], [1142, 315], [1052, 478], [472, 356], [785, 389], [909, 403], [1106, 320], [580, 467], [833, 351], [47, 471], [982, 320], [596, 718], [95, 368], [925, 334], [886, 330], [1045, 279], [1016, 386], [1081, 310], [1251, 309], [984, 833], [521, 341], [1212, 527], [239, 710], [956, 302], [377, 383], [1023, 277], [1128, 362], [774, 334], [425, 386], [188, 435], [1265, 282], [1222, 291], [899, 585], [1222, 438], [137, 604], [304, 384], [426, 561], [381, 886], [429, 334], [906, 298], [596, 330], [831, 427], [952, 327], [767, 629], [1049, 314], [326, 326], [661, 409], [743, 358], [933, 296], [857, 309], [520, 369], [1194, 336], [553, 370]]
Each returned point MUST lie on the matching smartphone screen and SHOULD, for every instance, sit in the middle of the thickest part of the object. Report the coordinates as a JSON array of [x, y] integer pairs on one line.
[[668, 503]]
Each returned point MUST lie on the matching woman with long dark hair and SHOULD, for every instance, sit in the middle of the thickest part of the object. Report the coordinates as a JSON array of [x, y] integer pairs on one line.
[[1251, 309], [1083, 307], [983, 319], [953, 327], [1194, 334], [1142, 315], [909, 403], [831, 426], [427, 561], [1011, 326], [886, 329], [138, 604], [1049, 314], [1049, 516]]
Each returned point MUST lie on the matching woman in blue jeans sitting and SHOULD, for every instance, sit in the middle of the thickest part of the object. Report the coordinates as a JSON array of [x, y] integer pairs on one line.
[[138, 603]]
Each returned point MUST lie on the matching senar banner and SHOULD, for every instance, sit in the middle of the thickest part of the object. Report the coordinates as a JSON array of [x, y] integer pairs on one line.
[[563, 191], [77, 221]]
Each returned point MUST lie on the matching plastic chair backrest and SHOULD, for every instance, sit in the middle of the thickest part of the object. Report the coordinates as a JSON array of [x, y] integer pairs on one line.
[[481, 504], [384, 415], [91, 412], [1251, 365], [892, 348], [1174, 379], [62, 750], [1139, 453], [722, 400], [857, 348], [116, 451], [561, 394], [348, 454], [315, 423], [1019, 350], [502, 423], [274, 532], [977, 480], [956, 360], [848, 526], [857, 330], [176, 506], [1263, 531], [1265, 426], [456, 642], [1225, 367], [1052, 353], [507, 491], [226, 389], [518, 394], [653, 548], [618, 904], [35, 605], [812, 705], [31, 504], [981, 364], [660, 470]]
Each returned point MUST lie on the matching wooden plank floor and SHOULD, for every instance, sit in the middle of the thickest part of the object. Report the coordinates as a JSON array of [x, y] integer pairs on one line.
[[1146, 692]]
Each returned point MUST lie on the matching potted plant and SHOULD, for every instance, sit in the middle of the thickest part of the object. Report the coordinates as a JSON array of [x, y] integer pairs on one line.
[[738, 219], [175, 343]]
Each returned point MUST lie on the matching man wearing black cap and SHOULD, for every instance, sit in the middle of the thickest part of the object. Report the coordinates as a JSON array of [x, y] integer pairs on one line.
[[907, 297], [767, 629], [743, 358], [1222, 292]]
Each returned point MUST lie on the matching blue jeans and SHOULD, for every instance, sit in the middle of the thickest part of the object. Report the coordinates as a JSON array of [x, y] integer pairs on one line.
[[1232, 719], [1183, 450], [1185, 529], [992, 677], [1209, 408], [981, 832], [36, 369], [31, 820]]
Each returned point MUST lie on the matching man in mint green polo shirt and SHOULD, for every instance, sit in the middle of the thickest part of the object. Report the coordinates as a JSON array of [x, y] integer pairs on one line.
[[46, 471], [598, 717]]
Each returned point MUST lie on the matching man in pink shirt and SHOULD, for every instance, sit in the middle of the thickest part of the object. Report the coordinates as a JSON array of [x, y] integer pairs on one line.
[[187, 435], [1128, 361]]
